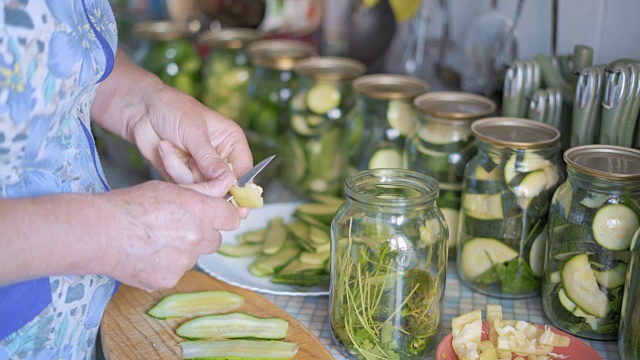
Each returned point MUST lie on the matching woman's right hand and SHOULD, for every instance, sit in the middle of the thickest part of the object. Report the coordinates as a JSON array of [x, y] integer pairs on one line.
[[157, 230]]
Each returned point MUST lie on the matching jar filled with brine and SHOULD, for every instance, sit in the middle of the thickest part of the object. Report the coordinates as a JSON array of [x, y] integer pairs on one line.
[[629, 333], [383, 117], [171, 54], [506, 192], [442, 145], [592, 220], [316, 158], [227, 71], [388, 266], [273, 83]]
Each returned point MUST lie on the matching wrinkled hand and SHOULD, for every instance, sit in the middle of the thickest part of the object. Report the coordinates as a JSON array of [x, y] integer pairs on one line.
[[160, 229]]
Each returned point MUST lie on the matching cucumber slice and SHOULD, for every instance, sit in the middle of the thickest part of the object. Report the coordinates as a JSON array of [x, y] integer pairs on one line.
[[275, 236], [614, 226], [480, 254], [196, 304], [591, 320], [452, 217], [530, 162], [318, 258], [322, 212], [483, 206], [612, 278], [238, 349], [555, 278], [565, 301], [237, 250], [563, 197], [266, 265], [537, 253], [402, 116], [235, 78], [594, 201], [233, 326], [323, 97], [482, 174], [298, 102], [385, 159], [582, 288], [301, 126]]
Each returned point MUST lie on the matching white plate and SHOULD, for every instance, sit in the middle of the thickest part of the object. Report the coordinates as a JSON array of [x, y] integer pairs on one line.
[[235, 270]]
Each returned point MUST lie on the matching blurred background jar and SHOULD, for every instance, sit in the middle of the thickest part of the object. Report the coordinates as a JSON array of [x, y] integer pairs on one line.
[[388, 265], [442, 145], [506, 192], [273, 83], [227, 70], [170, 53], [629, 334], [592, 220], [383, 117], [316, 156]]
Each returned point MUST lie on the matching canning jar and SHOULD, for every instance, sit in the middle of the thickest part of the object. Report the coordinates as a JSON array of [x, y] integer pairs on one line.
[[273, 83], [506, 192], [226, 71], [388, 265], [383, 117], [592, 219], [171, 54], [315, 161], [629, 333], [442, 145]]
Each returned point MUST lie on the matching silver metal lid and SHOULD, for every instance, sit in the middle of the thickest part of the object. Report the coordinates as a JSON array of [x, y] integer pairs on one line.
[[515, 132], [390, 86], [279, 54], [605, 161], [455, 105], [228, 38], [163, 30], [330, 68]]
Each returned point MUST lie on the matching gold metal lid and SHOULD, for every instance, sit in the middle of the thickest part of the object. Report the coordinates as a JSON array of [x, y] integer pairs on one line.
[[228, 38], [515, 132], [390, 86], [163, 30], [330, 68], [605, 161], [279, 54], [455, 105]]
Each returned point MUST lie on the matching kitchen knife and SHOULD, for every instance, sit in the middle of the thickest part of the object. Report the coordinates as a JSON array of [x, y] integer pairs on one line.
[[251, 174]]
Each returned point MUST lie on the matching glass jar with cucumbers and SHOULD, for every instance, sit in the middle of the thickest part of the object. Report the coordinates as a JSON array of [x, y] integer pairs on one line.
[[316, 158], [629, 333], [443, 144], [506, 192], [388, 266], [170, 53], [226, 71], [592, 220], [273, 83], [383, 117]]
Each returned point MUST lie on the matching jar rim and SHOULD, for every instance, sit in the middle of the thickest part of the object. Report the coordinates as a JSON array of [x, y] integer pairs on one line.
[[605, 161], [427, 188], [163, 29], [228, 38], [390, 86], [279, 54], [455, 105], [516, 133], [330, 68]]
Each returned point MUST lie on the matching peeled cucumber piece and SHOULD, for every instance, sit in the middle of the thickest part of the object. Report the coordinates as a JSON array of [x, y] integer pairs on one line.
[[238, 349], [480, 254], [233, 326], [196, 304], [614, 226], [581, 287]]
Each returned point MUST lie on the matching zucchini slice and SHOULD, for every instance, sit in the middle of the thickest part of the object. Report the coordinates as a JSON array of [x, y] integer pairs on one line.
[[581, 286], [480, 254], [452, 217], [386, 158], [537, 253], [402, 116], [565, 301], [238, 349], [612, 278], [614, 226], [323, 97], [238, 250], [233, 326], [483, 206], [196, 304]]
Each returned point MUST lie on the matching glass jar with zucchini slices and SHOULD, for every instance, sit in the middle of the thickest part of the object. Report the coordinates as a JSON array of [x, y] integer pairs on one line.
[[629, 333], [388, 266], [506, 192], [226, 71], [273, 83], [592, 220], [171, 54], [442, 145], [383, 117], [316, 158]]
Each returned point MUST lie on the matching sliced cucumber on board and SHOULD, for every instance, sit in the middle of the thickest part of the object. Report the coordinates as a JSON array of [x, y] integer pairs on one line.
[[581, 286], [196, 304], [480, 254], [233, 326], [238, 349], [614, 226]]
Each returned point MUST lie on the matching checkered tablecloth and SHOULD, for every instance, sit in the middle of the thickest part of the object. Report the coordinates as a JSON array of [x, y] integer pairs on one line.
[[313, 312]]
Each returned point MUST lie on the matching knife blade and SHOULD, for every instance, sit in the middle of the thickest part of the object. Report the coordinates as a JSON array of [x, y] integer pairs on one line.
[[251, 174]]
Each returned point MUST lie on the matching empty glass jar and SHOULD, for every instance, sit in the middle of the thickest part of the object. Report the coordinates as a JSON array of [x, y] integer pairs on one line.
[[388, 265], [592, 220], [506, 192]]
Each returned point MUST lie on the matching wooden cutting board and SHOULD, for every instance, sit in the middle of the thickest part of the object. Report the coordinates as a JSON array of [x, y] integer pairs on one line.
[[127, 332]]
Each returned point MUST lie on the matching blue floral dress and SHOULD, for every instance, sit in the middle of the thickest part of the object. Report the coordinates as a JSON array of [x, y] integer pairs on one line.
[[53, 54]]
